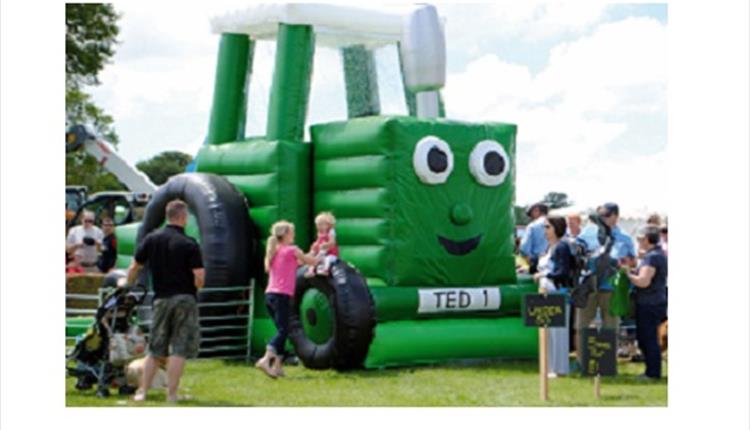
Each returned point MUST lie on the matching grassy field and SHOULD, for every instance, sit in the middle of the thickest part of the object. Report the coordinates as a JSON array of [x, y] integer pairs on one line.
[[218, 383]]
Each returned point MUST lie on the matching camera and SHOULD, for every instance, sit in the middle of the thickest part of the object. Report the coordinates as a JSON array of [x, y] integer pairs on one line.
[[89, 241]]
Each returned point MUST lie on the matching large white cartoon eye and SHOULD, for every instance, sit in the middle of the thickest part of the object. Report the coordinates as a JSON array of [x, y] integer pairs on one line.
[[489, 163], [432, 160]]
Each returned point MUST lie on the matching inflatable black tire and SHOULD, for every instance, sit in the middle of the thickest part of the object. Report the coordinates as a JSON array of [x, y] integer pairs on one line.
[[227, 242], [353, 319]]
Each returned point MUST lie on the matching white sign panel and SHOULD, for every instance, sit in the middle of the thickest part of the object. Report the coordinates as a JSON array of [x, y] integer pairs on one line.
[[458, 300]]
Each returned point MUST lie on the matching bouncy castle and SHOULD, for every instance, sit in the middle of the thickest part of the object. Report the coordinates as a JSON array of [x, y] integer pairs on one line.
[[424, 204]]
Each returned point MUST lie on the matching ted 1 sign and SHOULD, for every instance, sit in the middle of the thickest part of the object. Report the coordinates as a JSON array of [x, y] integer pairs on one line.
[[438, 300]]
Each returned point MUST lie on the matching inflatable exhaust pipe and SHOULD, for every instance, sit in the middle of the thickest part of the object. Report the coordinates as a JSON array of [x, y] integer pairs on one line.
[[422, 51]]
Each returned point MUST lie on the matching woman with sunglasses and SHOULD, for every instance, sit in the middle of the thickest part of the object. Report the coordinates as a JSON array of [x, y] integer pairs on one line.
[[555, 276]]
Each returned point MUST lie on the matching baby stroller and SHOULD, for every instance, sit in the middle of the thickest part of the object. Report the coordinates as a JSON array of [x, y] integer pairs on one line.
[[103, 352]]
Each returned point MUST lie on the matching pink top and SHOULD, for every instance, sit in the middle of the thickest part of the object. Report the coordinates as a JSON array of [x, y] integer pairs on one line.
[[323, 238], [283, 273]]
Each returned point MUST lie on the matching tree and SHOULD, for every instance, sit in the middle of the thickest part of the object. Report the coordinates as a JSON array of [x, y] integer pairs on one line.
[[556, 200], [161, 167], [90, 37], [520, 214], [80, 167], [90, 40]]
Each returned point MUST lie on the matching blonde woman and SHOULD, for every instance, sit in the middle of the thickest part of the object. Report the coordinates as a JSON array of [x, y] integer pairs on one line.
[[281, 262]]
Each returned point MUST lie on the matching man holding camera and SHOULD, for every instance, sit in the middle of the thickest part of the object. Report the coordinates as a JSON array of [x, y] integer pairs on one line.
[[621, 253], [84, 242]]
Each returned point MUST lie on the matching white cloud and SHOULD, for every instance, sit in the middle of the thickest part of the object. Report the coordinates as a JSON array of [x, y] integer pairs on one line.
[[487, 83], [535, 20], [593, 91], [624, 53], [574, 115]]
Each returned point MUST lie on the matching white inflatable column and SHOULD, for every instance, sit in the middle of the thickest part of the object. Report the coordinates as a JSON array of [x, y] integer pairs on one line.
[[422, 51]]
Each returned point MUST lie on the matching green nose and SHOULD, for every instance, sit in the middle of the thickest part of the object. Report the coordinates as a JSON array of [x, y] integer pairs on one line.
[[461, 214]]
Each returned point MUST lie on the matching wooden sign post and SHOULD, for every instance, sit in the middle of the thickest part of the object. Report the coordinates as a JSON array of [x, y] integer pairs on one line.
[[598, 355], [543, 365], [543, 311]]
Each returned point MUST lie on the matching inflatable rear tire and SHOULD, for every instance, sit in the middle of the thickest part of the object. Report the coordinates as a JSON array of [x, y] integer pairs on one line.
[[227, 240], [332, 319], [228, 243]]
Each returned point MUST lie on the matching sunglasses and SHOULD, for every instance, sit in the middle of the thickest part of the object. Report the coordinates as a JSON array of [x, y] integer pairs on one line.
[[88, 220]]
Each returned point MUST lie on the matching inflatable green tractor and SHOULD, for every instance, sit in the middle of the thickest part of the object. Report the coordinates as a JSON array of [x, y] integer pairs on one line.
[[424, 205]]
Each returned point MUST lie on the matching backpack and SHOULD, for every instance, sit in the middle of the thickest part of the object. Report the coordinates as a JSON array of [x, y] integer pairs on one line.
[[579, 259], [583, 283], [590, 265]]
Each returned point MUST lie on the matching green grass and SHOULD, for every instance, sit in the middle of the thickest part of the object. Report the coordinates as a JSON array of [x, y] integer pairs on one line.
[[498, 383]]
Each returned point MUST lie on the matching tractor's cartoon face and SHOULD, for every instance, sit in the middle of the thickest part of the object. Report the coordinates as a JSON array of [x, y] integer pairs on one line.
[[420, 202], [487, 165], [457, 195]]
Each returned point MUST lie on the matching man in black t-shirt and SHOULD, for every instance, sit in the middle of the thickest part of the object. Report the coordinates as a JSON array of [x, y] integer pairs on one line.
[[108, 257], [176, 266]]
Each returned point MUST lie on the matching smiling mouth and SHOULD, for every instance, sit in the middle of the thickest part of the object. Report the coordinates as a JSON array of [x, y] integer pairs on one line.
[[459, 248]]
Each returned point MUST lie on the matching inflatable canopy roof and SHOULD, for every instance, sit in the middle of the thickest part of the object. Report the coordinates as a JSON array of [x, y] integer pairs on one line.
[[335, 25]]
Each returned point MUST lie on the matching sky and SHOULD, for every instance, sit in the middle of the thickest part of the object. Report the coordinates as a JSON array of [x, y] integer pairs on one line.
[[586, 83]]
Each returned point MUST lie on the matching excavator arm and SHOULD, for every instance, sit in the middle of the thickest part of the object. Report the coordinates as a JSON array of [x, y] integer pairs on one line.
[[81, 137]]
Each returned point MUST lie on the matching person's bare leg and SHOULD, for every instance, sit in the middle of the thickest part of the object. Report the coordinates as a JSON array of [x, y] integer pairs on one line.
[[175, 367], [149, 370], [277, 366], [264, 363]]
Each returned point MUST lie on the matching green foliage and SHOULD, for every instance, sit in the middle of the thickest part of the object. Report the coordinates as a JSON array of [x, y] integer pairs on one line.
[[504, 383], [556, 200], [82, 169], [90, 39], [79, 109], [161, 167], [520, 213]]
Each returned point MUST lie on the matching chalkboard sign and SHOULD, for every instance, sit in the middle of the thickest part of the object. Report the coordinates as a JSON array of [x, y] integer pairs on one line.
[[541, 310], [599, 352]]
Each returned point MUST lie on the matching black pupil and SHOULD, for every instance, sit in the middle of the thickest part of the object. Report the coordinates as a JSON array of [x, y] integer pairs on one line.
[[493, 163], [437, 160]]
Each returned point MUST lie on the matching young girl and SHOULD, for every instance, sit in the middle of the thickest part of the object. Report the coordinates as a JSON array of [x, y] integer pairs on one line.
[[282, 259], [325, 246]]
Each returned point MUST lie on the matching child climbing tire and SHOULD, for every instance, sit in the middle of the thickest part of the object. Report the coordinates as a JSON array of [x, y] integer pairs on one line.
[[332, 319]]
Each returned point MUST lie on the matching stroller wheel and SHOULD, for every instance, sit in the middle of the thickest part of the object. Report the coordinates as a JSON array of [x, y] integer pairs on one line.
[[83, 384], [126, 390], [102, 392]]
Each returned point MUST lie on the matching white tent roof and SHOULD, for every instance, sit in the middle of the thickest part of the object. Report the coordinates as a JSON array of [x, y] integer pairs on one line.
[[575, 209], [639, 213]]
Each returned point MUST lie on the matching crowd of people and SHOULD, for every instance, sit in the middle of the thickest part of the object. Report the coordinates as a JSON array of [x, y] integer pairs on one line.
[[177, 275], [90, 249], [547, 246]]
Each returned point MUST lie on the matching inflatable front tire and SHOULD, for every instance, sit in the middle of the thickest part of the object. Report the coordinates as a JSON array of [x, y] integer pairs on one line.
[[332, 319], [227, 239]]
